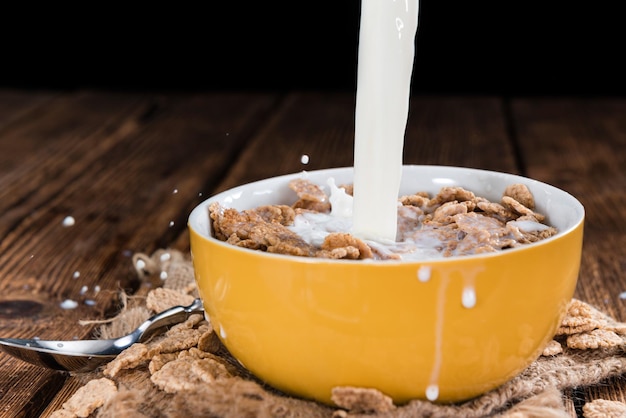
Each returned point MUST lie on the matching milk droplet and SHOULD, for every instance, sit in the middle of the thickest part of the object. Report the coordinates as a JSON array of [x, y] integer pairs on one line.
[[622, 295], [432, 392], [469, 297], [171, 224], [76, 274], [140, 264], [165, 256], [174, 191], [423, 274], [69, 304], [304, 159], [163, 275], [83, 290], [69, 221]]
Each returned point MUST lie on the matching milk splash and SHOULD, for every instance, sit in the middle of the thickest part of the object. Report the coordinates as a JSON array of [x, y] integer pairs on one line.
[[385, 65]]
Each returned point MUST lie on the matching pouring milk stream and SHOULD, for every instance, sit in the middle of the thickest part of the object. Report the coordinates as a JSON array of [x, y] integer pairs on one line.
[[385, 64]]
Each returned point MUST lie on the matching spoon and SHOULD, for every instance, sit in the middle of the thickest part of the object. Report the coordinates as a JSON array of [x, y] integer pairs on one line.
[[87, 355]]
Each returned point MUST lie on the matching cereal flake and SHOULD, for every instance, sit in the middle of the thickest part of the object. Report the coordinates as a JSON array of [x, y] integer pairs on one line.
[[130, 358], [361, 400], [90, 397]]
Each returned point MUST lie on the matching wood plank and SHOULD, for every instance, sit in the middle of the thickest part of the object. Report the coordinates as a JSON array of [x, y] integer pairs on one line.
[[61, 394], [321, 126], [459, 131], [579, 145], [14, 105], [128, 177]]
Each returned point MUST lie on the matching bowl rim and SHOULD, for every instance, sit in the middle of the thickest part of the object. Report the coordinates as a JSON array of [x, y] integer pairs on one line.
[[201, 209]]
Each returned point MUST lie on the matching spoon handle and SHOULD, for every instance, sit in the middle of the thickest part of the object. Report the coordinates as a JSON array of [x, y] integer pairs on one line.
[[170, 316]]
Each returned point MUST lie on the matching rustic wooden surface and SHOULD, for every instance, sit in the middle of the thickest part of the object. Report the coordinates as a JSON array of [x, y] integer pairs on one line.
[[129, 167]]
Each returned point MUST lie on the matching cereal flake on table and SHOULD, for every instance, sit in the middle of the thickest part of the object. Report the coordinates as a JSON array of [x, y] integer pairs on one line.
[[455, 219], [87, 399], [186, 372], [361, 400]]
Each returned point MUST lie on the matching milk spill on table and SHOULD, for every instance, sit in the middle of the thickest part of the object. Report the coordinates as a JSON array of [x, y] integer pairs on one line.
[[385, 65]]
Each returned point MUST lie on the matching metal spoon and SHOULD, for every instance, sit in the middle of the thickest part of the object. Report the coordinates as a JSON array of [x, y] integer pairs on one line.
[[87, 355]]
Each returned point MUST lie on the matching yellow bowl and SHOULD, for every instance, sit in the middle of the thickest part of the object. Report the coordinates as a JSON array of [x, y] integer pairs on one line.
[[307, 325]]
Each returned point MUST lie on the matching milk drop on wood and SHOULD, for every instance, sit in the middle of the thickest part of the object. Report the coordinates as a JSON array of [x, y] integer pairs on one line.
[[69, 304], [165, 257], [69, 221], [140, 264], [385, 64]]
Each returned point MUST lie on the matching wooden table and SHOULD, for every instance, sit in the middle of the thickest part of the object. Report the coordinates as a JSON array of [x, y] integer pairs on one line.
[[129, 167]]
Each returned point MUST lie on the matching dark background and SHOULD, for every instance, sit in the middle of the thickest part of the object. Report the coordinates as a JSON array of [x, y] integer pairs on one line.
[[462, 47]]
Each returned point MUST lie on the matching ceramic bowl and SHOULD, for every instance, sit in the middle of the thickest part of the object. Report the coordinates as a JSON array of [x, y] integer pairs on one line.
[[306, 325]]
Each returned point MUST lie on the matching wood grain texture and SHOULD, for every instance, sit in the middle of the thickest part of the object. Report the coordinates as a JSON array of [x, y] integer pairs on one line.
[[468, 132], [579, 145], [459, 131], [129, 168]]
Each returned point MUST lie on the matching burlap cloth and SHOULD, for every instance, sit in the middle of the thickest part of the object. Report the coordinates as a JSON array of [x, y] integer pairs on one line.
[[186, 372]]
